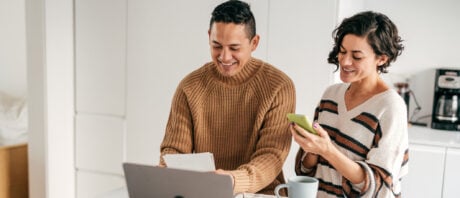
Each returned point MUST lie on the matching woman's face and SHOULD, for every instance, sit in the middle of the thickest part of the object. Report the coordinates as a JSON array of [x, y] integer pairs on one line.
[[357, 59]]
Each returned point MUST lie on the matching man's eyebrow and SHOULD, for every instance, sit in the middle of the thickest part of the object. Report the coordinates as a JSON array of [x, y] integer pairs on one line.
[[231, 45]]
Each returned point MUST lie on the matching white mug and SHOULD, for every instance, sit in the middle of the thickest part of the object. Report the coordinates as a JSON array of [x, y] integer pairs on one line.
[[299, 187]]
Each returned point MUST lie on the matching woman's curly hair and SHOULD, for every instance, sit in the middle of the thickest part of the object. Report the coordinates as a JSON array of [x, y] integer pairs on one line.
[[381, 34]]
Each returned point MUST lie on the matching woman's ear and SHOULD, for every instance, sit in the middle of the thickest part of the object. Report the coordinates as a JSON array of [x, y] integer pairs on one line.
[[382, 60]]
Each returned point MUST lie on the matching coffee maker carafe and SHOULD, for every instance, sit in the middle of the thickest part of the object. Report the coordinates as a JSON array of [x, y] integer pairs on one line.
[[446, 108], [445, 104]]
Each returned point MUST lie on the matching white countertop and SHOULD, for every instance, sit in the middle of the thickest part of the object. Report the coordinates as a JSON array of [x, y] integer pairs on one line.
[[435, 137]]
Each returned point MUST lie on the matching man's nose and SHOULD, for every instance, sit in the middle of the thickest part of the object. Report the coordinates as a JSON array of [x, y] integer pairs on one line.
[[226, 55]]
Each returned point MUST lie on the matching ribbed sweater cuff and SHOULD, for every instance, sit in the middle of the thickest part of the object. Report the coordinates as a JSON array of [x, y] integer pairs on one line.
[[241, 179]]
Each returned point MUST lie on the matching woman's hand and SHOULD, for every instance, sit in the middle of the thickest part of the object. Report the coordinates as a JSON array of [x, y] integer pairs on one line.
[[321, 145], [317, 144]]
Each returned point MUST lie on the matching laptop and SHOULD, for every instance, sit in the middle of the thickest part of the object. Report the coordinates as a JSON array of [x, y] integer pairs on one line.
[[146, 181]]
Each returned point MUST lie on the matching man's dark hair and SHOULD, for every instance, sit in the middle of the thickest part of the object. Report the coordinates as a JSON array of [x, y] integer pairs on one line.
[[237, 12], [381, 34]]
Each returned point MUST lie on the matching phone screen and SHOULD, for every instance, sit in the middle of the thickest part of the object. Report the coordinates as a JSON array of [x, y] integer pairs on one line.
[[302, 121]]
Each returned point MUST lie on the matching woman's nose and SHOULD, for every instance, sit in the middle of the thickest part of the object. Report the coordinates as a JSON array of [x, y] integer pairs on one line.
[[345, 60]]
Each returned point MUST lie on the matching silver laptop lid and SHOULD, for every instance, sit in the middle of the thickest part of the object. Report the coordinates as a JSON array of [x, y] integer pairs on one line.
[[145, 181]]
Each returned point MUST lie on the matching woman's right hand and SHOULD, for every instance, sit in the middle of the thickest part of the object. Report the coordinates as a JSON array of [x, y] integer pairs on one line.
[[310, 143]]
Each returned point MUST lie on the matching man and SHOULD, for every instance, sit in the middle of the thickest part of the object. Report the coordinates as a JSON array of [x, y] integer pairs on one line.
[[234, 107]]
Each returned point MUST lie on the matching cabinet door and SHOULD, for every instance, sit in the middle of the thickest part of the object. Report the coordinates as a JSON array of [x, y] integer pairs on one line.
[[97, 185], [452, 174], [425, 177]]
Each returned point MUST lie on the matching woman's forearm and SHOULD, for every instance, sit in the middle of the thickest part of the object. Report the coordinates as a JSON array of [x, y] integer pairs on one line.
[[310, 160], [347, 167]]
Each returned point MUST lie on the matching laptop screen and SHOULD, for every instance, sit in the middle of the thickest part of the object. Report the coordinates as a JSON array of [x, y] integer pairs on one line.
[[146, 181]]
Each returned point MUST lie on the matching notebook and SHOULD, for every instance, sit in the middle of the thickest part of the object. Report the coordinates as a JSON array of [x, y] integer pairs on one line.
[[146, 181], [203, 162]]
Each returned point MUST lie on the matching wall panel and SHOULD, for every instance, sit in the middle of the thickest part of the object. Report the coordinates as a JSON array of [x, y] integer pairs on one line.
[[99, 143], [100, 49]]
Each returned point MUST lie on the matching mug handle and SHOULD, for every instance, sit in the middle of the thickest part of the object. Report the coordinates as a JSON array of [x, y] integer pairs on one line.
[[278, 188]]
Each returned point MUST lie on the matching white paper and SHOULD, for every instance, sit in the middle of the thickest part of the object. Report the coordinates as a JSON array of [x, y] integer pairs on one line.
[[203, 162]]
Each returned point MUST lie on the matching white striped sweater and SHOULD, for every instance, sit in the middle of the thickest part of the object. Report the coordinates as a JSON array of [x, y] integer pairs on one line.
[[374, 134]]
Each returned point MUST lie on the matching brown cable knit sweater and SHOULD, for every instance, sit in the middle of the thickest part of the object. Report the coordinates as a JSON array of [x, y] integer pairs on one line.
[[240, 119]]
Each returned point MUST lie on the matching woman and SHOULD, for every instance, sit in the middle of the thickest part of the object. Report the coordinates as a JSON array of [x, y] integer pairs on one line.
[[361, 148]]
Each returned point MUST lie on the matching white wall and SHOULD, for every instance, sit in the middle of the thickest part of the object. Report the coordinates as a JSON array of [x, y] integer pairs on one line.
[[13, 48], [299, 33], [100, 122], [429, 29], [430, 32]]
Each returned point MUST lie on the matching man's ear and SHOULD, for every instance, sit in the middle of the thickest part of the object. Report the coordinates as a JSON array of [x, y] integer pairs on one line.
[[255, 42], [209, 37]]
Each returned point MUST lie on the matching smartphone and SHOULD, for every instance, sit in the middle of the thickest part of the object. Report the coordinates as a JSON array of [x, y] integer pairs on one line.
[[302, 121]]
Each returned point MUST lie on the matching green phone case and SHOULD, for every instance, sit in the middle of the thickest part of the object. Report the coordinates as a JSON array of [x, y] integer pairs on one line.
[[302, 121]]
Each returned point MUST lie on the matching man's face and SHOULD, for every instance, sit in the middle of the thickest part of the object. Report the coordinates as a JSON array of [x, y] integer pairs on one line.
[[230, 47]]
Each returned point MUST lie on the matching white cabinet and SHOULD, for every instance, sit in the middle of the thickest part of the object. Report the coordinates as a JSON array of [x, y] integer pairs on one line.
[[434, 158], [95, 185], [426, 167], [433, 172], [451, 174]]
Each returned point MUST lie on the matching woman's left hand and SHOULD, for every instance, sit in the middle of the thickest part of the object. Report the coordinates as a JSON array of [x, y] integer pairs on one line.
[[318, 144]]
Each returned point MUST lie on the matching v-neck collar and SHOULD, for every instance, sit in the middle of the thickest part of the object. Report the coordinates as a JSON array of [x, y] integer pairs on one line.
[[357, 109]]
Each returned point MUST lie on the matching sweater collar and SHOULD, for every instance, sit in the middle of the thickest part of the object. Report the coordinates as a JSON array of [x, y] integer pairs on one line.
[[248, 71]]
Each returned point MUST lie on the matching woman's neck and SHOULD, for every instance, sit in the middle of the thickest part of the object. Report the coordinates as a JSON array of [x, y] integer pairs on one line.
[[358, 92], [367, 87]]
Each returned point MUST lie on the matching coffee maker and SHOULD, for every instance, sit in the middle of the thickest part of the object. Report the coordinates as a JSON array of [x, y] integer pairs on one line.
[[446, 100]]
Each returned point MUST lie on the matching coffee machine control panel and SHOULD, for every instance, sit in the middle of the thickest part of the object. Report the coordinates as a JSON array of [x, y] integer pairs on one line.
[[449, 82]]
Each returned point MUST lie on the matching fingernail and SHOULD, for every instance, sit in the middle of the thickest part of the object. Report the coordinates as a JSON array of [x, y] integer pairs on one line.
[[315, 125]]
